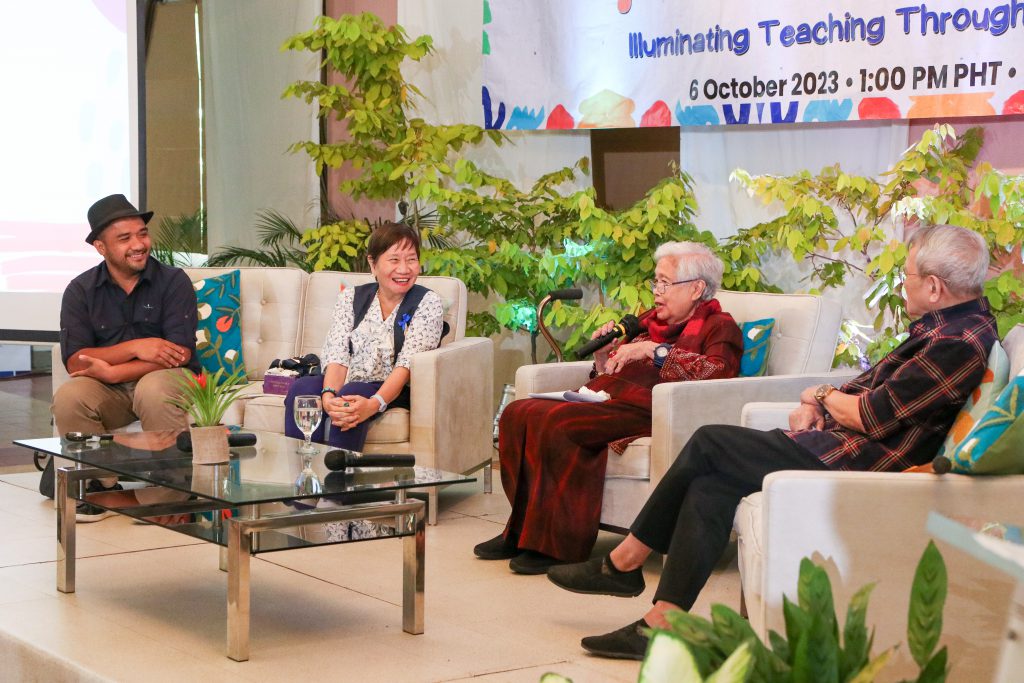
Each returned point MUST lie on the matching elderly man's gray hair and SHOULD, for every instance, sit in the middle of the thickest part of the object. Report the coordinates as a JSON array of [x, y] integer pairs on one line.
[[956, 255], [694, 261]]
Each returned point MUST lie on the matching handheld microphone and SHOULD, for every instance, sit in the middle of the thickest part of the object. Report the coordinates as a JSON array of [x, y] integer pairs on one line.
[[629, 327], [570, 294], [184, 440], [343, 458]]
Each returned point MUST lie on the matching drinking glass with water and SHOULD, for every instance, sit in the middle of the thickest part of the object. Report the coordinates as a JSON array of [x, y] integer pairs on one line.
[[308, 414]]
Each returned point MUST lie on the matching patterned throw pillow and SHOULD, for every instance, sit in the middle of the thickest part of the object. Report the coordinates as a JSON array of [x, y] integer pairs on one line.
[[996, 444], [756, 335], [219, 333], [997, 374]]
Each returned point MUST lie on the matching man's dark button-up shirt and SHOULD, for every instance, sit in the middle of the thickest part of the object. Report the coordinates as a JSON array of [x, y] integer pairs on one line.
[[95, 312], [908, 401]]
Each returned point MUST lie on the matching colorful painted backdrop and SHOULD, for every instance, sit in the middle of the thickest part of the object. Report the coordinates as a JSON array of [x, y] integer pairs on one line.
[[626, 63]]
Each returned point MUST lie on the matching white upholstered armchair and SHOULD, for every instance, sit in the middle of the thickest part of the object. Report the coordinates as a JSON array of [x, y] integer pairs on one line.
[[800, 353], [866, 527]]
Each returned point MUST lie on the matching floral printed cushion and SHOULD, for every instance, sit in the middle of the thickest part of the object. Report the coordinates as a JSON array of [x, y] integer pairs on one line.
[[756, 335], [997, 374], [219, 333], [996, 443]]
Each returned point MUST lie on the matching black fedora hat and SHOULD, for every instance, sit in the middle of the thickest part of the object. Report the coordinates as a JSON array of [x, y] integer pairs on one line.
[[109, 209]]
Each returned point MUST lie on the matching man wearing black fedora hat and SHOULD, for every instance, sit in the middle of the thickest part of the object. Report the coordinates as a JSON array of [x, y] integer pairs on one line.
[[127, 327]]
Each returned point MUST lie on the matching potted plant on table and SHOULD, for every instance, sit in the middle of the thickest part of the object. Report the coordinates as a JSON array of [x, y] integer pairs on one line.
[[205, 398]]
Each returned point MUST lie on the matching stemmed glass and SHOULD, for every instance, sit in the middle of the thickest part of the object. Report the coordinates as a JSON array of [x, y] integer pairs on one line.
[[308, 414]]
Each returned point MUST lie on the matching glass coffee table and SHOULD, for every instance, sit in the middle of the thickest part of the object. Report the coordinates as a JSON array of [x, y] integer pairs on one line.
[[247, 506]]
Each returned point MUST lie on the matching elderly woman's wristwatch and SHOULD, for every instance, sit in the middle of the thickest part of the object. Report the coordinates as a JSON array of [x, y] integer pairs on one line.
[[661, 352]]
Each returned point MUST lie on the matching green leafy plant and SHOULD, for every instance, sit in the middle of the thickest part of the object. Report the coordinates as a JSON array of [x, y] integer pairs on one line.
[[516, 245], [178, 237], [206, 397], [280, 241], [840, 224], [390, 152], [539, 240], [813, 648]]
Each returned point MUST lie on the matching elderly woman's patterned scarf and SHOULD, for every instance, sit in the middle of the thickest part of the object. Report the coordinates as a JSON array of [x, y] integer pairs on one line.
[[662, 332]]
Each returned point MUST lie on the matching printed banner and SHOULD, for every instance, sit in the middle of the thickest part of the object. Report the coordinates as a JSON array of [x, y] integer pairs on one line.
[[627, 63]]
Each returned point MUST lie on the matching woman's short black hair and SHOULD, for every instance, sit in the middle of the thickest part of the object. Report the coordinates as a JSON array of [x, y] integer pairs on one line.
[[387, 235]]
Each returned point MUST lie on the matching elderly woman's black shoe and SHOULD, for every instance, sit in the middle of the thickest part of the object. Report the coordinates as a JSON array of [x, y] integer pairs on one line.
[[498, 548], [530, 562]]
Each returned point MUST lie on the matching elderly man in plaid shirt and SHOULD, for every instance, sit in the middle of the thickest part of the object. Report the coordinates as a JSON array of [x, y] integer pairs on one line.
[[892, 417]]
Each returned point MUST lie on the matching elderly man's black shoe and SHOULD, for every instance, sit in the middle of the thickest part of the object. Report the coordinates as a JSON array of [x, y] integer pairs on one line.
[[498, 548], [597, 576], [626, 643]]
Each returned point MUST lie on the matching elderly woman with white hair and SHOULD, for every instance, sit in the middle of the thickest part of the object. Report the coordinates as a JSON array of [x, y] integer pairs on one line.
[[553, 454]]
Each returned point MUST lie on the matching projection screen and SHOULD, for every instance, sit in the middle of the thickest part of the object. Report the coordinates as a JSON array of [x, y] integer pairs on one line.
[[72, 137]]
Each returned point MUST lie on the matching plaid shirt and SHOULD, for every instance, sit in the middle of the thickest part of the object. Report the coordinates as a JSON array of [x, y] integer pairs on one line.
[[908, 401]]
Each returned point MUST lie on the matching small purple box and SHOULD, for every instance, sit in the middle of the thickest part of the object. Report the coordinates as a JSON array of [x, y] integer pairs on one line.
[[277, 384]]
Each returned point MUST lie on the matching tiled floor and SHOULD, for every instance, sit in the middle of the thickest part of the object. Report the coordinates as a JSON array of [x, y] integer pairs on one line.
[[150, 605]]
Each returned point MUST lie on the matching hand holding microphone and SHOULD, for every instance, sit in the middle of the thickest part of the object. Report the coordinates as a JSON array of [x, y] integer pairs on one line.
[[628, 327]]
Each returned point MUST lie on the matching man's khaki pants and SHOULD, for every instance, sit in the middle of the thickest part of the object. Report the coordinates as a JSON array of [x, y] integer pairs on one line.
[[83, 404]]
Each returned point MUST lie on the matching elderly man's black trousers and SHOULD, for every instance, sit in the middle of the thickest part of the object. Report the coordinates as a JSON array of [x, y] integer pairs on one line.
[[689, 516]]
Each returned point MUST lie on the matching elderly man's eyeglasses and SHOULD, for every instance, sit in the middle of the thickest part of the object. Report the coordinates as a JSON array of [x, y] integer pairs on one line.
[[903, 274], [660, 287]]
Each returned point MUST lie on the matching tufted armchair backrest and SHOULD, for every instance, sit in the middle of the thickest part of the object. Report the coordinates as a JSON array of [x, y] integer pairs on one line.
[[323, 289], [272, 312], [806, 328]]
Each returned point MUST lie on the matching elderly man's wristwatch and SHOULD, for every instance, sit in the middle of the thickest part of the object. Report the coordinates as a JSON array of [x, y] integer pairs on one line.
[[822, 392], [661, 352]]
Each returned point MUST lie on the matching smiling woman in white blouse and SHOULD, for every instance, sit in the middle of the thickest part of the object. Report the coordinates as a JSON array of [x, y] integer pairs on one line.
[[375, 330]]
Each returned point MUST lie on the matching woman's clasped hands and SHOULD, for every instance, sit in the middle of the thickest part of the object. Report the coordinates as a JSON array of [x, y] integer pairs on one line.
[[349, 411]]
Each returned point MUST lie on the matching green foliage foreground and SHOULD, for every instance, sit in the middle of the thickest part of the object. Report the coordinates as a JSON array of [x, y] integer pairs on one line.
[[725, 648]]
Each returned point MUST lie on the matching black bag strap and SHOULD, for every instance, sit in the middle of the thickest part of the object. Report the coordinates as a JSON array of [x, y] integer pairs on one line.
[[361, 302], [406, 310], [363, 297]]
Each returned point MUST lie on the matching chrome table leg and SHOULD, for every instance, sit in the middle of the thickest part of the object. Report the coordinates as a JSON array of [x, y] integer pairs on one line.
[[68, 480], [414, 550], [239, 544]]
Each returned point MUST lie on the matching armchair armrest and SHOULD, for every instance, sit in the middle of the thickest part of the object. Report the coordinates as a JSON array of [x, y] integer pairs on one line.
[[764, 415], [453, 405], [58, 374], [680, 408], [868, 527], [534, 379]]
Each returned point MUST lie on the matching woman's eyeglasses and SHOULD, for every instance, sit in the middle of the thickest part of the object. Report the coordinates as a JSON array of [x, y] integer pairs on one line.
[[660, 287]]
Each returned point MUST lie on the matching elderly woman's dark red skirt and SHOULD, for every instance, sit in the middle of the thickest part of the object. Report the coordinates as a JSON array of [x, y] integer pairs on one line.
[[553, 459]]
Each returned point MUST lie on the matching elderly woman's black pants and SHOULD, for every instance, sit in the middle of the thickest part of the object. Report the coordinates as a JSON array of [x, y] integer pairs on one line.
[[689, 516]]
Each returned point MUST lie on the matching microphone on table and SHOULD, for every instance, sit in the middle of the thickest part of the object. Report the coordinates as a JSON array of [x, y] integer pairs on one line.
[[184, 440], [628, 327], [343, 458]]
